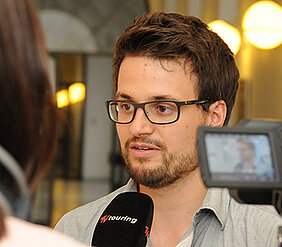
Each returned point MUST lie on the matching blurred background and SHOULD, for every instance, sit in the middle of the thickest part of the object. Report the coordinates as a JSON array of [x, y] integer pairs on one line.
[[80, 35]]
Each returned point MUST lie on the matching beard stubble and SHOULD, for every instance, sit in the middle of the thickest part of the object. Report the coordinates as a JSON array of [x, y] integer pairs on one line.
[[173, 166]]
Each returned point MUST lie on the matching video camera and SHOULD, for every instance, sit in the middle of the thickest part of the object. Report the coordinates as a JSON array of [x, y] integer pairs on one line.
[[246, 159]]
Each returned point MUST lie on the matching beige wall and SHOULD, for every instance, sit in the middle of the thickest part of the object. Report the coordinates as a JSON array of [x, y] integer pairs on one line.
[[260, 93], [262, 69]]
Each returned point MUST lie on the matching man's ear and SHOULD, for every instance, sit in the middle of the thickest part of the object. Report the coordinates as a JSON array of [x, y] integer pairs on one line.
[[217, 113]]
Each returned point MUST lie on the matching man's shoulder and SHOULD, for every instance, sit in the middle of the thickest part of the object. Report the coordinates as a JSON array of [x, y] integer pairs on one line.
[[84, 212], [227, 209], [254, 211], [83, 216], [250, 225], [80, 222], [253, 221], [87, 211]]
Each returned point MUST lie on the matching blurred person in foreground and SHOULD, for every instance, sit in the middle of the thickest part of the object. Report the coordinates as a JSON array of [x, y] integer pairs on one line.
[[27, 125], [171, 74]]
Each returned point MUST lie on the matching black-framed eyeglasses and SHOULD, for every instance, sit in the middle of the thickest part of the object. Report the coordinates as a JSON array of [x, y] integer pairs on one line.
[[157, 112]]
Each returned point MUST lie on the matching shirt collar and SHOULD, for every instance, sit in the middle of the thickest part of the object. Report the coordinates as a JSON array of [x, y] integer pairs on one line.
[[218, 201], [131, 186]]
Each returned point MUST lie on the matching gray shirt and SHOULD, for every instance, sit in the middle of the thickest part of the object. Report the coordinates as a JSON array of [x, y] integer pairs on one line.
[[221, 221]]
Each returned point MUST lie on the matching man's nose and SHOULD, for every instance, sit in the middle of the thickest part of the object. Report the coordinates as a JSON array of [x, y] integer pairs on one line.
[[140, 125]]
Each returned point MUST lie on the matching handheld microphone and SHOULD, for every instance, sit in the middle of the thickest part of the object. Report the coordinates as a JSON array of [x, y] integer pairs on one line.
[[125, 222]]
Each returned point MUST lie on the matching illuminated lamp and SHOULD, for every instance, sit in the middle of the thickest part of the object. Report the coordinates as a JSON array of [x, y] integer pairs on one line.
[[62, 98], [262, 24], [76, 92], [228, 33]]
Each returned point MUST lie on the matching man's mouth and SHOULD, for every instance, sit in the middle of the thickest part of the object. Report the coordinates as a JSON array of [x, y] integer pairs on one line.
[[141, 149], [143, 146]]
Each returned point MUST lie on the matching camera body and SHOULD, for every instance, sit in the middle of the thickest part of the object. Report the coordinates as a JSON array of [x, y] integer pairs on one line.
[[246, 159], [240, 157]]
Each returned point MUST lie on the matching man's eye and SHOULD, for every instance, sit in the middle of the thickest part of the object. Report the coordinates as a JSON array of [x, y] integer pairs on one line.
[[127, 107], [163, 109]]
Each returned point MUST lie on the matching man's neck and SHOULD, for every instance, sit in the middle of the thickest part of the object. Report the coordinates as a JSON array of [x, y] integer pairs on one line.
[[174, 208]]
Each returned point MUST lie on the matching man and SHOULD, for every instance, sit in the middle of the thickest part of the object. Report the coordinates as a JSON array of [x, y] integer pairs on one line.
[[250, 165], [247, 156], [172, 74]]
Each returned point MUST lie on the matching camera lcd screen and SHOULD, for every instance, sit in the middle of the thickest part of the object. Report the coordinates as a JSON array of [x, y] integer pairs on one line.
[[239, 157]]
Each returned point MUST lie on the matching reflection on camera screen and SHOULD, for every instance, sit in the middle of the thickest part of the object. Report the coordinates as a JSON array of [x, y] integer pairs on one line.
[[239, 157]]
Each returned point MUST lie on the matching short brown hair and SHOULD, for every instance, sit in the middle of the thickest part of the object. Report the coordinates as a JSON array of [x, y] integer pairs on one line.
[[173, 36]]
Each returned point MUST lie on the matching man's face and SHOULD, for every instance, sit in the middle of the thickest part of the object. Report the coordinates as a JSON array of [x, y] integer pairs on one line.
[[247, 154], [158, 155]]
